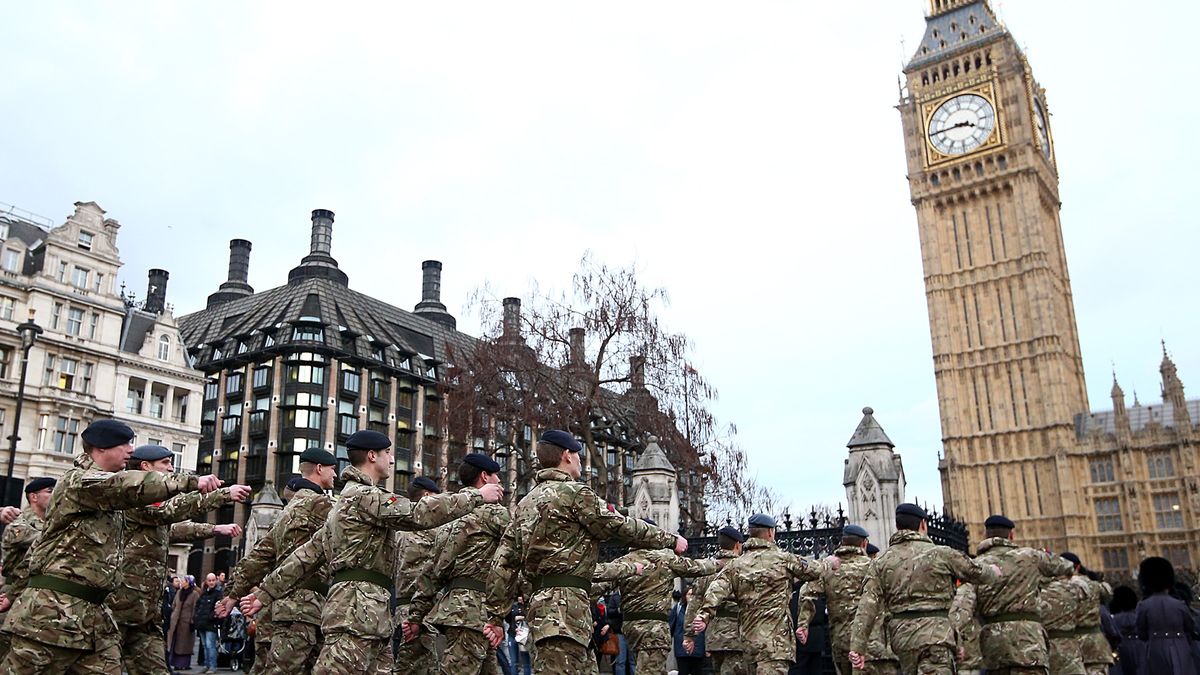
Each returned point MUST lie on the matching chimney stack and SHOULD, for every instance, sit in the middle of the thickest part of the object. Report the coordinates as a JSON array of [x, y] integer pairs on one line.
[[431, 306], [319, 264], [239, 270], [512, 319], [322, 232], [637, 371], [156, 291], [577, 336]]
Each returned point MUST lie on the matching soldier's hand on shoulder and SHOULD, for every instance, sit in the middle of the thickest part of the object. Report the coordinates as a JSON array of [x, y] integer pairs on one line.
[[5, 602], [681, 545], [209, 483], [834, 562], [9, 514], [492, 493], [230, 530], [997, 571], [239, 493], [639, 569]]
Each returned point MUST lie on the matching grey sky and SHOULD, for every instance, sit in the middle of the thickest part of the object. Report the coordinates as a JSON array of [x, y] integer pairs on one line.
[[746, 155]]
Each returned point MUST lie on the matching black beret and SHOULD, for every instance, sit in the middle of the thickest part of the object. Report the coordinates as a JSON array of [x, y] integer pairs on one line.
[[872, 549], [481, 461], [150, 453], [368, 440], [762, 520], [999, 521], [39, 484], [562, 439], [911, 510], [426, 483], [855, 531], [300, 483], [733, 533], [1070, 556], [319, 456], [104, 434]]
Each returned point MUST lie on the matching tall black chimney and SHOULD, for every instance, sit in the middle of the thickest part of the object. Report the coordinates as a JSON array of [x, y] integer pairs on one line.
[[156, 291], [319, 264], [235, 286], [431, 306]]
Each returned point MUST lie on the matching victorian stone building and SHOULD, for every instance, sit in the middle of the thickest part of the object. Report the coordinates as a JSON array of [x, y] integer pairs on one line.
[[1018, 434]]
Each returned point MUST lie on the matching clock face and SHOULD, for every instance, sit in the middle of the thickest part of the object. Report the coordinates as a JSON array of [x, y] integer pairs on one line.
[[1043, 126], [962, 124]]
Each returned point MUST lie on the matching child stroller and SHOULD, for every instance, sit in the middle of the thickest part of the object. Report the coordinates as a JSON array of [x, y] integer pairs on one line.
[[231, 640]]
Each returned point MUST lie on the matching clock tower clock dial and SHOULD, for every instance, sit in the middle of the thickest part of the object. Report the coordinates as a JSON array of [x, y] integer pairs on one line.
[[961, 124], [1042, 125]]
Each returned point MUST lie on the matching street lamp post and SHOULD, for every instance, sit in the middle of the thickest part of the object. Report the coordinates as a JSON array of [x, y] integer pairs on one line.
[[29, 332]]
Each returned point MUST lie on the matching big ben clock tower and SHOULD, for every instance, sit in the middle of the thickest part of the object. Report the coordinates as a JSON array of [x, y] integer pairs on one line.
[[984, 181]]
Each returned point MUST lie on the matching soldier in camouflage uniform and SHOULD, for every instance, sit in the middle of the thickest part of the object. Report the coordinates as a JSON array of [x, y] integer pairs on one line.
[[60, 623], [721, 636], [962, 617], [294, 622], [1060, 609], [1093, 646], [1013, 641], [880, 658], [842, 589], [554, 540], [914, 581], [760, 581], [415, 553], [136, 604], [358, 545], [646, 602], [464, 551], [18, 538]]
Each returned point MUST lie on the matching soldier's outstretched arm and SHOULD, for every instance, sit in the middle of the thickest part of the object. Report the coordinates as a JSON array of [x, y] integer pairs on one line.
[[253, 567], [962, 609], [867, 613], [969, 570], [689, 567], [803, 569], [720, 590], [190, 531], [693, 607], [1053, 566], [448, 546], [123, 490], [506, 566], [183, 507], [427, 513], [304, 563], [608, 525], [615, 570]]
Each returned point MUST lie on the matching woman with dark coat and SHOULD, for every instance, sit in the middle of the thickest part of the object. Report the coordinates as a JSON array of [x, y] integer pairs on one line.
[[1124, 614], [1164, 623], [180, 638]]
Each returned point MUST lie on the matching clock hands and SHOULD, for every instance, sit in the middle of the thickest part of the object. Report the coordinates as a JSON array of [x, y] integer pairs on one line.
[[953, 127]]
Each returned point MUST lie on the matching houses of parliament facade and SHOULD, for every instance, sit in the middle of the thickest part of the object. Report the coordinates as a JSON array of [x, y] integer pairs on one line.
[[1019, 437]]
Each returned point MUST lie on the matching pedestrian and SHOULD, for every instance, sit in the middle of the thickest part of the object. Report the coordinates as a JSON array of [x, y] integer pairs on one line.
[[358, 544], [206, 622], [1093, 646], [451, 593], [1132, 651], [914, 582], [722, 638], [413, 557], [690, 658], [554, 541], [841, 589], [623, 663], [180, 636], [761, 582], [19, 537], [1164, 624], [1012, 639], [60, 623]]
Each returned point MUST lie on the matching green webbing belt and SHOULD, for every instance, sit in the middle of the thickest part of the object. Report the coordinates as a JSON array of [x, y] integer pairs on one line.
[[467, 583], [316, 586], [370, 576], [562, 581], [645, 616], [1005, 617], [1060, 634], [921, 614], [727, 613], [93, 595]]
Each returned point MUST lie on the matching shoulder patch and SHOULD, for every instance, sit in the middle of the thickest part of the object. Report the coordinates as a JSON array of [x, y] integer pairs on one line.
[[391, 500], [611, 507], [96, 476]]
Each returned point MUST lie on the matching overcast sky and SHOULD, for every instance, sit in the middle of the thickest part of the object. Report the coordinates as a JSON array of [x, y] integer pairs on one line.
[[747, 156]]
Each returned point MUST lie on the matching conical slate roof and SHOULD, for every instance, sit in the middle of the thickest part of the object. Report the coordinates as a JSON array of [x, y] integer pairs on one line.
[[653, 458], [869, 433]]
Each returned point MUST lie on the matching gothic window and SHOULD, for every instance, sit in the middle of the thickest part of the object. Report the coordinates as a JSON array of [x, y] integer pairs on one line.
[[1108, 514], [1178, 554], [1102, 470], [1115, 558], [1160, 465], [1167, 513]]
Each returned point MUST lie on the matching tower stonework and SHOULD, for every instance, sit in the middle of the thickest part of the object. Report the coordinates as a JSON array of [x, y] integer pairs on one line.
[[984, 182]]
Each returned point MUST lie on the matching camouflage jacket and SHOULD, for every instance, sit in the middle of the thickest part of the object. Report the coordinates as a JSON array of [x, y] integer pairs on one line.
[[1092, 643], [464, 551], [556, 530], [303, 515], [842, 588], [1024, 573], [82, 544], [357, 536], [1060, 603], [760, 581], [650, 591], [962, 617], [148, 531], [414, 554], [913, 575], [19, 536], [721, 634]]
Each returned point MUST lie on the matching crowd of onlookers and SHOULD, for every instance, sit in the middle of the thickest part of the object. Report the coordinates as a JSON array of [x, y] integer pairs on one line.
[[190, 622], [1156, 635]]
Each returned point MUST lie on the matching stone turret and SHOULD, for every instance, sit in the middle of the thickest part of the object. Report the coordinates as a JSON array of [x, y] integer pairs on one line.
[[874, 480], [655, 494]]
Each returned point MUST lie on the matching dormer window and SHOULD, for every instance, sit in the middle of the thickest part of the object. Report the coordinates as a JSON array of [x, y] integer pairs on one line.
[[85, 240], [3, 230], [164, 348], [308, 334]]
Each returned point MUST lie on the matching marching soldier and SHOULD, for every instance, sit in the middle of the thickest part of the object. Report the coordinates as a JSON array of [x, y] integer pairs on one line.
[[962, 616], [414, 554], [464, 550], [358, 545], [721, 636], [60, 623], [841, 589], [914, 581], [881, 660], [18, 538], [1093, 646], [554, 540], [1012, 639], [294, 622], [136, 604], [760, 581], [646, 601], [1060, 608]]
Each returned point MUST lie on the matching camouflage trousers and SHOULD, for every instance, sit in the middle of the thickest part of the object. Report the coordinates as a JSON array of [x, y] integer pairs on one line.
[[143, 650], [346, 654], [1065, 658], [772, 667], [730, 663], [293, 650], [1019, 646], [562, 655], [416, 657], [5, 641], [468, 653], [30, 657], [882, 667], [928, 660], [1096, 668], [650, 640]]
